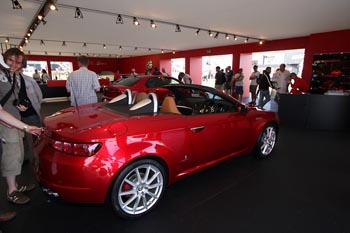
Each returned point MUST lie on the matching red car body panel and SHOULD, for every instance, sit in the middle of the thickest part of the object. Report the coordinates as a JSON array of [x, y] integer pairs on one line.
[[183, 144]]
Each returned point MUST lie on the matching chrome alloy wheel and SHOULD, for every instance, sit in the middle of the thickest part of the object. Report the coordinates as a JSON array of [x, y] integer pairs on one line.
[[140, 189], [268, 140]]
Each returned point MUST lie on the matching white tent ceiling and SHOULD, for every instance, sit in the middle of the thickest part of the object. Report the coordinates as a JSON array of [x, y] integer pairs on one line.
[[267, 20]]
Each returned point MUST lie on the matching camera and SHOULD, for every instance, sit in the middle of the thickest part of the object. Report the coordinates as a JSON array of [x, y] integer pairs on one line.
[[24, 102]]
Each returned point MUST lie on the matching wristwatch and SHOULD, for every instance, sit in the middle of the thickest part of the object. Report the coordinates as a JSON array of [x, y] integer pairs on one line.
[[25, 127]]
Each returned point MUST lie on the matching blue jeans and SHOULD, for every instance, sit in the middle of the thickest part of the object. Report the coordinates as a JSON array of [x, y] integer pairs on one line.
[[264, 97]]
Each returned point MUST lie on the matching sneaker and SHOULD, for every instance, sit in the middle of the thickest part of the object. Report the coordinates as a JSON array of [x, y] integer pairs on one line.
[[26, 188], [7, 216], [18, 198]]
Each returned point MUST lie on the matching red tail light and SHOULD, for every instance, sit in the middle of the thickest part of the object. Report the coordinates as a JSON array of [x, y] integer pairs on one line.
[[77, 149]]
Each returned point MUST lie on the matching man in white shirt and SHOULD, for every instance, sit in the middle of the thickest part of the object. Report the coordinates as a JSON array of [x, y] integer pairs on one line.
[[83, 84], [238, 78], [253, 84], [282, 77]]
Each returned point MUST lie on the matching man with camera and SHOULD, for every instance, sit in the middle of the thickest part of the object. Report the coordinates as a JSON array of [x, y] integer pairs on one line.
[[13, 100], [32, 115]]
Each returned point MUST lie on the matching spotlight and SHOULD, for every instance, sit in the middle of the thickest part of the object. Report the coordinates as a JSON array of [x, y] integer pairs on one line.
[[44, 21], [173, 51], [210, 34], [177, 29], [235, 37], [216, 35], [162, 50], [78, 14], [197, 32], [16, 5], [227, 37], [42, 42], [7, 40], [153, 25], [26, 40], [135, 22], [84, 45], [104, 46], [119, 20], [28, 34], [120, 47], [52, 6], [135, 48], [63, 43], [40, 17], [246, 40], [149, 50], [45, 52], [261, 41]]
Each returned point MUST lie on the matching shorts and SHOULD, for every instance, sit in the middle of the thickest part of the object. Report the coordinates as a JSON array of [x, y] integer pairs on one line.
[[239, 90], [252, 88], [12, 151]]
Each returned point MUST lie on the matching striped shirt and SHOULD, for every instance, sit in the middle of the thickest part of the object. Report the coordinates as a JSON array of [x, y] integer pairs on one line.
[[82, 85]]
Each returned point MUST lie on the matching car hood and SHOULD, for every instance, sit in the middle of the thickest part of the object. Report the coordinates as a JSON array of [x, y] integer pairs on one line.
[[92, 121]]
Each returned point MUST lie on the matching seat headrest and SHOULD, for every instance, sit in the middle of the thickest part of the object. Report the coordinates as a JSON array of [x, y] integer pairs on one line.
[[154, 99], [123, 99], [148, 105], [169, 106], [140, 96]]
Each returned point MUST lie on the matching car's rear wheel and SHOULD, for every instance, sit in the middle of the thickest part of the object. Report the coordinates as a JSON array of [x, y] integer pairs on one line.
[[138, 188], [266, 141]]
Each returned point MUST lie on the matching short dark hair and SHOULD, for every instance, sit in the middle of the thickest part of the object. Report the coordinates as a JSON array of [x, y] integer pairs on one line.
[[84, 60]]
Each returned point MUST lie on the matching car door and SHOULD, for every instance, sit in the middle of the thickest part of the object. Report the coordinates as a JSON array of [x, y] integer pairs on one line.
[[216, 135]]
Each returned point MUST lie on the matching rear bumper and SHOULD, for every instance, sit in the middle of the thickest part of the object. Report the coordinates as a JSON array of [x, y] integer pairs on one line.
[[73, 179]]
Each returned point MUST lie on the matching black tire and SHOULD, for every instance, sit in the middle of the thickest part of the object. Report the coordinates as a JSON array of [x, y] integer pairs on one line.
[[138, 188], [266, 141]]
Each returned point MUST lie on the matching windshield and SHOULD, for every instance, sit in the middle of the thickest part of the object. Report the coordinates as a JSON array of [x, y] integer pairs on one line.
[[129, 81]]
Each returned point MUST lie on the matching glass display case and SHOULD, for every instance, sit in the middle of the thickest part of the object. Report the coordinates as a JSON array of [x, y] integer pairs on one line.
[[330, 72]]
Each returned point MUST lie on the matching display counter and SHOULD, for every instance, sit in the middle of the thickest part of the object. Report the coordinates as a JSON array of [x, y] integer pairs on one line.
[[54, 89], [312, 111]]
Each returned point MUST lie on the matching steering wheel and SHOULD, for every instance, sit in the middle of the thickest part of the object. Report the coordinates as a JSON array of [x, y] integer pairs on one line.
[[208, 106]]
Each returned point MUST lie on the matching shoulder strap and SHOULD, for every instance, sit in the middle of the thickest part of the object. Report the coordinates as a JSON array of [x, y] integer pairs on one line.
[[23, 89], [9, 93], [268, 80]]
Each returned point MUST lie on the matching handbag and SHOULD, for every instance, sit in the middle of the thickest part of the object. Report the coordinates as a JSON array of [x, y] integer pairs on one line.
[[273, 93]]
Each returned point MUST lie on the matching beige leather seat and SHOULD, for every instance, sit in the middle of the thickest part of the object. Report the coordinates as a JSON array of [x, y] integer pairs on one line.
[[140, 96], [169, 106], [145, 106]]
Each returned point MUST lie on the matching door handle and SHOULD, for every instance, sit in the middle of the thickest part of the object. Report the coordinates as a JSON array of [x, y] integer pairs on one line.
[[196, 129]]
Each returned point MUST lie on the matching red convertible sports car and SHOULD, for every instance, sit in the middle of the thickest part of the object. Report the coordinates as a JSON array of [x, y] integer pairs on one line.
[[142, 83], [127, 153]]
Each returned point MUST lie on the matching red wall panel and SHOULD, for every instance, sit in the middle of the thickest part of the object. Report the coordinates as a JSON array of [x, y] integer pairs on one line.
[[327, 42], [96, 64]]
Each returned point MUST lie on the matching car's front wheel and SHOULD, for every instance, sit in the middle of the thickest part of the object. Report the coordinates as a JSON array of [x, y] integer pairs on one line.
[[266, 141], [138, 188]]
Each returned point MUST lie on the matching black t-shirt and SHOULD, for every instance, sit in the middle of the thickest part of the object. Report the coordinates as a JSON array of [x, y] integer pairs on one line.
[[264, 81]]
